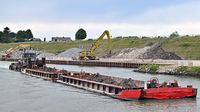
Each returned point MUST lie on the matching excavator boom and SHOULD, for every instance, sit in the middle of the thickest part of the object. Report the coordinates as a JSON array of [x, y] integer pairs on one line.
[[98, 41], [7, 53]]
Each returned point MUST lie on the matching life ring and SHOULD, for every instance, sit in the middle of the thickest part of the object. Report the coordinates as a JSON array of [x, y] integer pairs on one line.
[[154, 79]]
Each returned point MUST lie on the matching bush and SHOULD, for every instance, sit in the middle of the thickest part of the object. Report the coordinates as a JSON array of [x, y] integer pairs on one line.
[[153, 68], [182, 69], [195, 69]]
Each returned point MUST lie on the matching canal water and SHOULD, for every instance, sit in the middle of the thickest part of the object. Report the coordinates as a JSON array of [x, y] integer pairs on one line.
[[21, 93]]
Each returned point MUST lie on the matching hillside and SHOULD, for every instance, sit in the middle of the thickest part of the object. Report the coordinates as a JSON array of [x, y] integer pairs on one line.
[[186, 46]]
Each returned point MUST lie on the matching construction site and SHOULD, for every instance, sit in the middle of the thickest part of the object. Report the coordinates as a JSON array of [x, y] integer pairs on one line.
[[151, 53]]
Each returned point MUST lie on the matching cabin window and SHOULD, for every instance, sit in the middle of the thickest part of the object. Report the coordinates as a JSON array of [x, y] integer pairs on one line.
[[62, 78], [71, 81], [88, 84], [117, 90], [75, 81], [110, 89], [92, 85], [98, 86], [104, 88], [67, 80], [79, 82]]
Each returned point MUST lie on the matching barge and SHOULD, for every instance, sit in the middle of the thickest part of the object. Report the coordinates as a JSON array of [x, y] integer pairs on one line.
[[121, 88]]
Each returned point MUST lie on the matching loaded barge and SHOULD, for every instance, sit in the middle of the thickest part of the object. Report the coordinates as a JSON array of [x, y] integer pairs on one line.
[[121, 88]]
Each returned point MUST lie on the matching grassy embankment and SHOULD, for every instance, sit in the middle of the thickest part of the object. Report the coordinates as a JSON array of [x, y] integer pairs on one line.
[[187, 47]]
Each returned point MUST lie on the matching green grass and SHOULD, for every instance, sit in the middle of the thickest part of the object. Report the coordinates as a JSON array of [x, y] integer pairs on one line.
[[187, 47], [194, 69]]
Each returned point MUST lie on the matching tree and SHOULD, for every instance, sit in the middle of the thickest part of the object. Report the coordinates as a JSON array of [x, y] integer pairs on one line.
[[24, 35], [6, 35], [29, 34], [81, 34], [6, 30], [21, 36], [12, 35]]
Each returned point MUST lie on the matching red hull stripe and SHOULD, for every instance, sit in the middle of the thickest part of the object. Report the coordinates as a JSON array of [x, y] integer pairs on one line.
[[129, 94], [157, 93], [169, 93]]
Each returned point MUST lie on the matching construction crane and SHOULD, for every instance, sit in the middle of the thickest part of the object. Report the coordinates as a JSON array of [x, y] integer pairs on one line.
[[7, 53], [89, 54]]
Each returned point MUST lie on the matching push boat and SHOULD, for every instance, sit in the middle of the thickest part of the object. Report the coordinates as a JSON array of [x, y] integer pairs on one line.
[[116, 87]]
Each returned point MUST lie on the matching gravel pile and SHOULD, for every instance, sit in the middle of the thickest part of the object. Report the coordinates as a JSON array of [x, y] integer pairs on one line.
[[153, 52], [130, 53], [17, 54], [102, 79], [49, 69], [156, 52], [45, 54], [126, 83], [73, 52]]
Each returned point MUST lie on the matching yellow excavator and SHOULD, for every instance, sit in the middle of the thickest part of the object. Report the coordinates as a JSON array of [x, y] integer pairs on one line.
[[88, 55], [7, 53]]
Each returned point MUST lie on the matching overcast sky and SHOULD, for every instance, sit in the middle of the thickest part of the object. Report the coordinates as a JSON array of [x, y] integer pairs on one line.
[[48, 18]]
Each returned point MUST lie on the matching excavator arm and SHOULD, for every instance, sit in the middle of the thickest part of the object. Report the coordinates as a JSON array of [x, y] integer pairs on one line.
[[96, 44], [7, 53]]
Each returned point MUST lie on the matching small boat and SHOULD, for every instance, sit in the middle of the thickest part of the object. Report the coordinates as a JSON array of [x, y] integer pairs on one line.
[[153, 90]]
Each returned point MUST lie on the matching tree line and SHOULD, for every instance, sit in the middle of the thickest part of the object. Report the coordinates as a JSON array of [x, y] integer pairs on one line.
[[7, 36]]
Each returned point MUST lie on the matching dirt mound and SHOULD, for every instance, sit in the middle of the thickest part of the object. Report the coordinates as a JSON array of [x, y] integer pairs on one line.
[[130, 53], [102, 79], [156, 52], [153, 52], [126, 83]]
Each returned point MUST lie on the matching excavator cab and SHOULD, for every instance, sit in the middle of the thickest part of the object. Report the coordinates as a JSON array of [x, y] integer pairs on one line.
[[86, 55]]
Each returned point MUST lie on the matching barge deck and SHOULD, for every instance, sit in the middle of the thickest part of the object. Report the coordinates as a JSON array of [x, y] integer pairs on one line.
[[121, 88]]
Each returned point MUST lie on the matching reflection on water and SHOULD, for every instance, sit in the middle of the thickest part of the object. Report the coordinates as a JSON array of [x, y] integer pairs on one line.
[[178, 105], [21, 93]]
